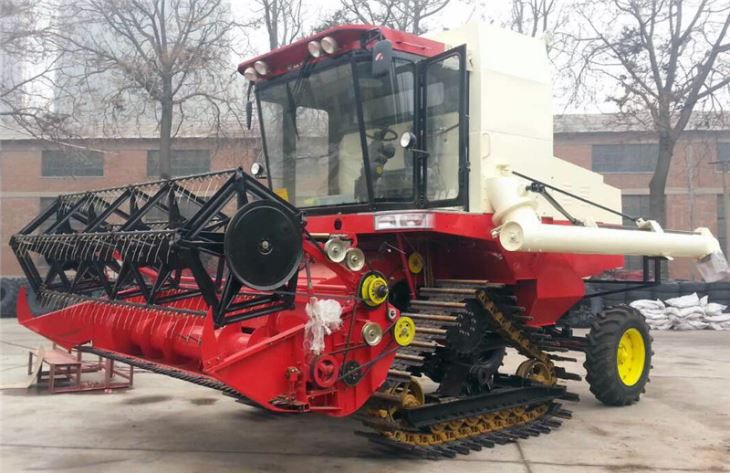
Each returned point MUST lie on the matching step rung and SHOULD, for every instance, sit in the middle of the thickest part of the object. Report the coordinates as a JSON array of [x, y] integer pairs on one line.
[[399, 374], [408, 357], [472, 282], [449, 304], [513, 308], [448, 290], [430, 317], [425, 344], [430, 331]]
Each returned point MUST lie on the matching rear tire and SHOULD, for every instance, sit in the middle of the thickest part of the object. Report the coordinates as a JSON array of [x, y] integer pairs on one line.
[[618, 356]]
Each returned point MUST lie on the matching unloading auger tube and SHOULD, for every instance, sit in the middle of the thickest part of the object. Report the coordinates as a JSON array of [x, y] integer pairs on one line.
[[520, 228]]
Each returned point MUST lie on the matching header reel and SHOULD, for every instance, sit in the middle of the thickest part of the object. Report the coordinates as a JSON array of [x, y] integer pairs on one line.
[[159, 243]]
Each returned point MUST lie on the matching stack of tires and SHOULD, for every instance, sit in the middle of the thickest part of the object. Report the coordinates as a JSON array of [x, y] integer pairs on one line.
[[718, 292], [582, 314], [9, 288]]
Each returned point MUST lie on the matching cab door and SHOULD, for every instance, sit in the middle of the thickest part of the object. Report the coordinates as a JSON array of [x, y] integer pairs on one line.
[[443, 130]]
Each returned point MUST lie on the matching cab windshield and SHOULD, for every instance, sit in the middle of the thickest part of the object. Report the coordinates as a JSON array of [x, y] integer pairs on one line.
[[316, 135]]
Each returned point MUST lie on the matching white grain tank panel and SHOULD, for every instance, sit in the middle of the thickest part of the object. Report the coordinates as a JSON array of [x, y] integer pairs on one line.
[[511, 121]]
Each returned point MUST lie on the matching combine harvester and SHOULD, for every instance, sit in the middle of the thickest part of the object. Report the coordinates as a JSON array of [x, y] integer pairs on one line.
[[407, 224]]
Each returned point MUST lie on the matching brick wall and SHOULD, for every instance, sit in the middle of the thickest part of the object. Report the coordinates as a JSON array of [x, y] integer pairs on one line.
[[692, 188], [125, 162]]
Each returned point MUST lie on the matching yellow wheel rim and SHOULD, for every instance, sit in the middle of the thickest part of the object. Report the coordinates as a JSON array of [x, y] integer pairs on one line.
[[404, 331], [630, 357]]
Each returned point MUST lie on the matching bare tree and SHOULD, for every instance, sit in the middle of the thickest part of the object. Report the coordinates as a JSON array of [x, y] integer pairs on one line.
[[402, 15], [533, 17], [27, 70], [166, 58], [282, 19], [667, 58]]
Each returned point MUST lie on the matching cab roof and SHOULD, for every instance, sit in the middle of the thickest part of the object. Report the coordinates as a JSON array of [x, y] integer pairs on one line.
[[348, 38]]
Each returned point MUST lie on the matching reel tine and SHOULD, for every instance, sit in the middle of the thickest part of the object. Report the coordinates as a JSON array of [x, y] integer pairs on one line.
[[207, 190], [44, 245], [47, 246], [123, 248], [93, 247], [159, 245], [146, 250], [62, 242], [77, 248], [143, 243], [152, 242], [84, 247], [167, 256], [52, 247], [134, 243]]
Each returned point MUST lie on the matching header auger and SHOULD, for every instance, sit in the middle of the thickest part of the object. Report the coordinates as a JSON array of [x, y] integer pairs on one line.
[[349, 275]]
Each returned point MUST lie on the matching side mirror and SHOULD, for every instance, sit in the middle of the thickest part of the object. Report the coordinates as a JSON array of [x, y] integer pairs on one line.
[[258, 170], [249, 114], [382, 58], [249, 106], [407, 140]]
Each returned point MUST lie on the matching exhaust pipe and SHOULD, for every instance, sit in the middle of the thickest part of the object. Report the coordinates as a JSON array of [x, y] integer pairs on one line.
[[519, 228]]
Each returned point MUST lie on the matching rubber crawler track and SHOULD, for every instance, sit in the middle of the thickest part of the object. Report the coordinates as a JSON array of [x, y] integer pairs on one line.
[[473, 432]]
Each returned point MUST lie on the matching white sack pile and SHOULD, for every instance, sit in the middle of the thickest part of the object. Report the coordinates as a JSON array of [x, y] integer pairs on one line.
[[684, 313]]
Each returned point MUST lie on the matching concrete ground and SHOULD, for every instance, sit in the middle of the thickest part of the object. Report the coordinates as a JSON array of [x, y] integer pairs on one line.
[[682, 424]]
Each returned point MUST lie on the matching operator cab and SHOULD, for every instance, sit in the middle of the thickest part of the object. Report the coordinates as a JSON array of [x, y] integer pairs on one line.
[[332, 118]]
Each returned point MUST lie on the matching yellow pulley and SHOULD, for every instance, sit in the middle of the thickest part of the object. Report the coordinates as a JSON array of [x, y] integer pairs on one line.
[[404, 331], [373, 289]]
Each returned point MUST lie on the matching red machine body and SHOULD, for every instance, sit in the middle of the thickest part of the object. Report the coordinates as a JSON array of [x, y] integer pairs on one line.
[[271, 350]]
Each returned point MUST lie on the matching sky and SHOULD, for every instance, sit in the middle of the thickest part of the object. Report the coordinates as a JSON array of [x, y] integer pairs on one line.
[[454, 15]]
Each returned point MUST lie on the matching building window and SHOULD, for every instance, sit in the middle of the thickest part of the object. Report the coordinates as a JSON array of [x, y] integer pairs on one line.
[[46, 202], [55, 163], [723, 152], [183, 162], [634, 206], [628, 158]]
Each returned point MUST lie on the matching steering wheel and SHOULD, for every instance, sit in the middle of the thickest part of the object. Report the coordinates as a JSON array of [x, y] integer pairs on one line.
[[385, 134]]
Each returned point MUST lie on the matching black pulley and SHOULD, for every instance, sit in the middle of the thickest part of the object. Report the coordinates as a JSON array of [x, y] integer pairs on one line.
[[263, 245]]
